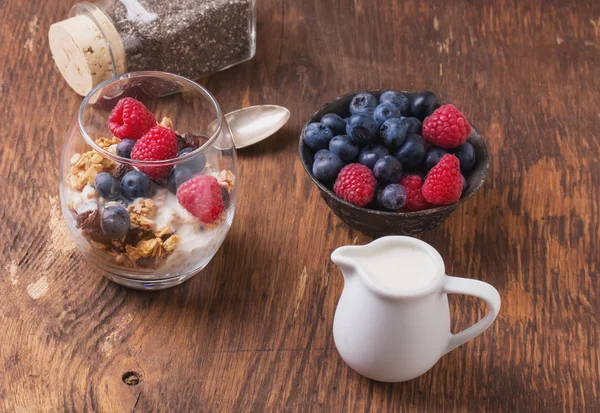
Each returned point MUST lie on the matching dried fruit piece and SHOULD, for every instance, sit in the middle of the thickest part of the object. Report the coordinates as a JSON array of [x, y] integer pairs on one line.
[[89, 222], [87, 219], [146, 262], [119, 172]]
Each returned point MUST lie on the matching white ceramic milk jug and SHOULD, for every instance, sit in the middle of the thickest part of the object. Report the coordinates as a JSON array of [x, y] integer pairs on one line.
[[392, 322]]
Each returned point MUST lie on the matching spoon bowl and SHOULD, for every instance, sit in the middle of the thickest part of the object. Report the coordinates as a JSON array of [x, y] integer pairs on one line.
[[255, 123]]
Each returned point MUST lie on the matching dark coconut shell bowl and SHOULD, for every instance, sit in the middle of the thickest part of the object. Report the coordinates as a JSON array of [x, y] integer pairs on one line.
[[380, 223]]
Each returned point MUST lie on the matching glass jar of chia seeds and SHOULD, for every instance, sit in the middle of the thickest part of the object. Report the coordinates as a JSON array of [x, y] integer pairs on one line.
[[191, 38]]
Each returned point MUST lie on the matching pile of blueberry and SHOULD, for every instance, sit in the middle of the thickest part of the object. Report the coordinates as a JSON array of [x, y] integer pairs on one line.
[[395, 136], [114, 218]]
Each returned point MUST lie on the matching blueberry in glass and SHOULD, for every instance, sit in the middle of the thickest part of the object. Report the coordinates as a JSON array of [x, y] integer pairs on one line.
[[135, 184], [114, 221], [107, 186], [125, 146]]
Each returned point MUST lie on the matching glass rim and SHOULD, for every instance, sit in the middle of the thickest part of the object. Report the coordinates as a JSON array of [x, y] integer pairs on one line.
[[151, 74]]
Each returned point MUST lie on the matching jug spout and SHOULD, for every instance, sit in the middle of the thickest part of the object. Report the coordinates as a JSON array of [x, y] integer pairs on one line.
[[342, 257]]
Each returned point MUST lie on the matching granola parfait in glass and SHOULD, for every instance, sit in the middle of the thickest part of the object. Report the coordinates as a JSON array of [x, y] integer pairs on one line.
[[149, 179]]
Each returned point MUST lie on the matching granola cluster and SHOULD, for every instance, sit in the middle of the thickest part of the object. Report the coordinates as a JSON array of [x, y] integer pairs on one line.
[[84, 168], [166, 123], [139, 212], [226, 179], [106, 143]]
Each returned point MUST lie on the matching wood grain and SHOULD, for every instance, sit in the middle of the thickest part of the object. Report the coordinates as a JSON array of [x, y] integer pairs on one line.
[[252, 332]]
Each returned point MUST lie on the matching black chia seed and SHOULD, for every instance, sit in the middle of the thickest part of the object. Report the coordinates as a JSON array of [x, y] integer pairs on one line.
[[191, 38]]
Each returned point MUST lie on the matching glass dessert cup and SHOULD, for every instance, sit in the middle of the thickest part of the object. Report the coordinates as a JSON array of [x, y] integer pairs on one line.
[[166, 243]]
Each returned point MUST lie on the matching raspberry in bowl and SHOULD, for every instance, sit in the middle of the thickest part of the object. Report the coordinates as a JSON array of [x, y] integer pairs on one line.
[[149, 179], [391, 162]]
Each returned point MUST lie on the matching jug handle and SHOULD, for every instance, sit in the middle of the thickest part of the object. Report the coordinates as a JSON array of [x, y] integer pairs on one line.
[[479, 289]]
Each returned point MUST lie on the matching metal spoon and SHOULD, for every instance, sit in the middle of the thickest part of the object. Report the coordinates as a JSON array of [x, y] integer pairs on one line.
[[255, 123]]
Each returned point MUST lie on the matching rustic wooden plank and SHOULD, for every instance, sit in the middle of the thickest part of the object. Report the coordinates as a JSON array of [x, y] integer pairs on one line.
[[253, 331]]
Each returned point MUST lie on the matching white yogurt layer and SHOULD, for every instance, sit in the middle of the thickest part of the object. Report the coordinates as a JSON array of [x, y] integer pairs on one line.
[[77, 199], [197, 244], [169, 211]]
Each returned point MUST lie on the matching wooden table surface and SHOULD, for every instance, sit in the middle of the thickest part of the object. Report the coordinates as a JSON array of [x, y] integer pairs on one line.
[[252, 332]]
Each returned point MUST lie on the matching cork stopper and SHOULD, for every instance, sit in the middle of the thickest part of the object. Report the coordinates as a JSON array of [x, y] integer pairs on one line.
[[88, 50]]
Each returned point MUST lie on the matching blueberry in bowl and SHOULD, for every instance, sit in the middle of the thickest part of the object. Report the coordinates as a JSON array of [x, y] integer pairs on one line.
[[370, 154], [345, 147], [335, 123], [385, 111], [404, 162], [412, 151], [317, 135], [363, 102], [327, 165], [363, 127]]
